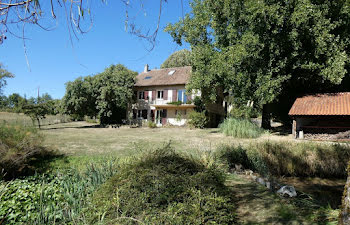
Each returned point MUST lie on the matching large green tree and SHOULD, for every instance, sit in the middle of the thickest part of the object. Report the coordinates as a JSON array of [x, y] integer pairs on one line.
[[105, 95], [115, 92], [80, 97], [255, 50], [177, 59]]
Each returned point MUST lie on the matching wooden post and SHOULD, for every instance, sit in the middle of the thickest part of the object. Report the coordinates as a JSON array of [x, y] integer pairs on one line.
[[294, 129]]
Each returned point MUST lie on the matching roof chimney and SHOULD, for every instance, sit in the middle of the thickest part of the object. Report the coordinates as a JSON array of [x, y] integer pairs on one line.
[[146, 69]]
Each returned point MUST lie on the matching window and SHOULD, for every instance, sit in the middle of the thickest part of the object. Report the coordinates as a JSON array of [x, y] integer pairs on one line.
[[160, 94], [147, 78], [181, 96], [141, 95], [171, 72]]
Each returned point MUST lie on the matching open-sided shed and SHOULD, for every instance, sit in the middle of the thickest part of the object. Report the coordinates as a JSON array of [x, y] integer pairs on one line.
[[321, 113]]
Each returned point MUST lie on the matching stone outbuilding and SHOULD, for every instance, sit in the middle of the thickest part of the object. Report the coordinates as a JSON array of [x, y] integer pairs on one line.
[[321, 113]]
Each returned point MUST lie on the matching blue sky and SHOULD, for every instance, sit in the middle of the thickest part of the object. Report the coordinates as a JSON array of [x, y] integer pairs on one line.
[[53, 60]]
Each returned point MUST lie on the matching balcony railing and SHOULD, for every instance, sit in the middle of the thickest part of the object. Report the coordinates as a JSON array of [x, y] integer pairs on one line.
[[158, 101]]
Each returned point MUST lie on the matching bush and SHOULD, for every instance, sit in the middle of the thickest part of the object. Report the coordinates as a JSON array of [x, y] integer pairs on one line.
[[290, 159], [151, 124], [240, 128], [21, 151], [197, 120], [164, 187], [244, 112]]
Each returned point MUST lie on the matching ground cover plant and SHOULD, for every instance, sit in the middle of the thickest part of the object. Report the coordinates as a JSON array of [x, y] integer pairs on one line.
[[303, 159], [59, 197], [240, 128], [164, 187]]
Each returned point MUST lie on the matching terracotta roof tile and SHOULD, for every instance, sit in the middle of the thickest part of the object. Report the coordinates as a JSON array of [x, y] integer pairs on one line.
[[160, 77], [322, 104]]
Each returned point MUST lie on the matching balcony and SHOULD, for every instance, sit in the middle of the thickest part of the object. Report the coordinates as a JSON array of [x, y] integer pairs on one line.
[[160, 101]]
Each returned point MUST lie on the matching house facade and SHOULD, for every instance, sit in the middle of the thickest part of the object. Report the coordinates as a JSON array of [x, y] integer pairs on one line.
[[161, 96]]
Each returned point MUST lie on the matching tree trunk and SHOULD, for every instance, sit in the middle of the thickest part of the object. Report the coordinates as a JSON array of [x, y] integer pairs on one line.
[[266, 117], [344, 217], [38, 123]]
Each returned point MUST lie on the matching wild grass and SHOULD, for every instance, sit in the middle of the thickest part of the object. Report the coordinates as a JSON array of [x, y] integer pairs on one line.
[[290, 159], [23, 120], [240, 128], [21, 151], [164, 187]]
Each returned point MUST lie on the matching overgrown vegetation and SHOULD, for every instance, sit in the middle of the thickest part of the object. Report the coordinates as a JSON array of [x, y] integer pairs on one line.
[[197, 120], [240, 128], [164, 187], [290, 159], [21, 151], [57, 198]]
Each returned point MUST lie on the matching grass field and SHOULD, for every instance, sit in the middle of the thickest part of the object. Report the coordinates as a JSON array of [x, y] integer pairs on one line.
[[83, 143]]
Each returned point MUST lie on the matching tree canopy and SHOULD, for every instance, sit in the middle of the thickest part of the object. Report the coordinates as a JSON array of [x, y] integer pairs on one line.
[[105, 95], [178, 59], [255, 49], [4, 74]]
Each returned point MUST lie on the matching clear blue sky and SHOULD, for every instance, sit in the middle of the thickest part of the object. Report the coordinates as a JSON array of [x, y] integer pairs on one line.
[[53, 60]]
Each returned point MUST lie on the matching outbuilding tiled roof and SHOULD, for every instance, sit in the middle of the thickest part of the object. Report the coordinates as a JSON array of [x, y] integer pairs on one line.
[[337, 104], [160, 77]]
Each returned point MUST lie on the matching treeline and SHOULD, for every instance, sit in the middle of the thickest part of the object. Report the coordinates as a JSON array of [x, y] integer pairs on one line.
[[105, 95], [18, 104]]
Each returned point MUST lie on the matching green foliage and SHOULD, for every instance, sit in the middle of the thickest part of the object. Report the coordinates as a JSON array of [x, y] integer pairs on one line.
[[151, 124], [256, 49], [164, 187], [36, 112], [175, 103], [177, 59], [290, 159], [115, 91], [197, 119], [60, 198], [105, 95], [4, 74], [20, 150], [240, 128]]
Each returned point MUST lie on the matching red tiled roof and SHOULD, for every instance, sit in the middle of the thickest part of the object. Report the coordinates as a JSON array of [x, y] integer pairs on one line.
[[322, 104], [160, 77]]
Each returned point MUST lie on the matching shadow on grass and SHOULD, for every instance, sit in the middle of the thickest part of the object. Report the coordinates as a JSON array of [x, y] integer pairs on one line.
[[28, 163], [74, 127]]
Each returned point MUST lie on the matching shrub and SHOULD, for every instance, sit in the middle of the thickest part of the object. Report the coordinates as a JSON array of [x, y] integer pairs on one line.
[[240, 128], [151, 124], [290, 159], [197, 120], [244, 112], [21, 151], [164, 187]]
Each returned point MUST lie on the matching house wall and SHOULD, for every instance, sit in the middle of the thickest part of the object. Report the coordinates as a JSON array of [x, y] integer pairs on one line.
[[174, 120]]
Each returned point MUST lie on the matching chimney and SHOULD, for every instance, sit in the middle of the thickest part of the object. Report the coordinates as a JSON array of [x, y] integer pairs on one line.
[[146, 69]]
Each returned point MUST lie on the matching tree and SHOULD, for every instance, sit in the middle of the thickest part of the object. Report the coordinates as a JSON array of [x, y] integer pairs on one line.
[[115, 92], [80, 98], [255, 50], [105, 95], [4, 74], [178, 59], [36, 112]]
